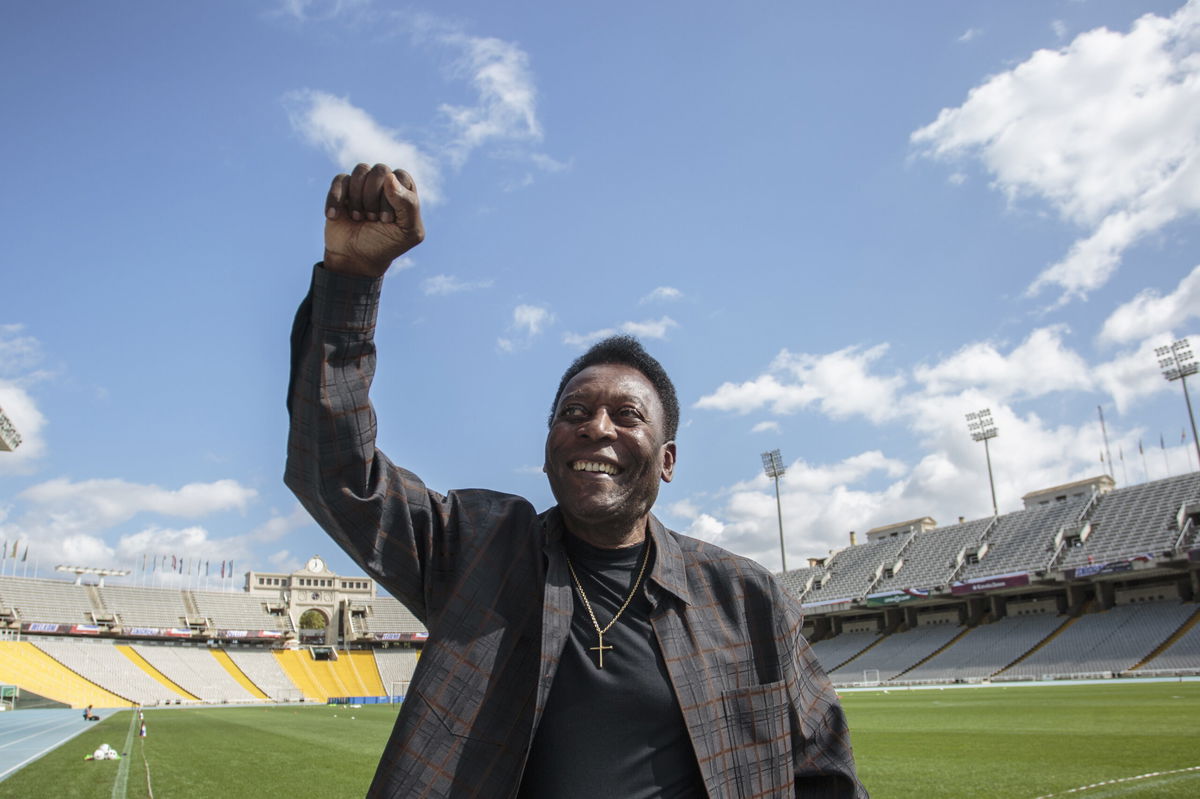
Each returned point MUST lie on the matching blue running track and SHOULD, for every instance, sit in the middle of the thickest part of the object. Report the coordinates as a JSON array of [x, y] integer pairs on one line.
[[26, 735]]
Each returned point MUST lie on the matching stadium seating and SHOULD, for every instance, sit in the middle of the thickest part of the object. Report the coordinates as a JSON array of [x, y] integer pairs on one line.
[[101, 663], [395, 667], [234, 611], [195, 670], [145, 607], [1135, 521], [1109, 642], [985, 649], [54, 601], [895, 653], [263, 669], [1183, 654]]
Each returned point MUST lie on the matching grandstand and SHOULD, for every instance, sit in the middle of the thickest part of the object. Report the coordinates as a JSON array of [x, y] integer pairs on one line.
[[1085, 580]]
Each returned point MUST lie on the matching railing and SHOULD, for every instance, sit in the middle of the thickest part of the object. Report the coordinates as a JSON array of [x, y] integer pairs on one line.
[[1092, 500], [1184, 535]]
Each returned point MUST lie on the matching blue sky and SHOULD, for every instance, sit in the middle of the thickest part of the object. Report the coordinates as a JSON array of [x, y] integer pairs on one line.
[[840, 226]]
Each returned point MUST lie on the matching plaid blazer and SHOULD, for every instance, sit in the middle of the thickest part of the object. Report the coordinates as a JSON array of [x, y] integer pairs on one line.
[[487, 576]]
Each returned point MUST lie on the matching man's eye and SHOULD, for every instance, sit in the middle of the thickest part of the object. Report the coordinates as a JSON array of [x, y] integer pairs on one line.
[[630, 413], [572, 412]]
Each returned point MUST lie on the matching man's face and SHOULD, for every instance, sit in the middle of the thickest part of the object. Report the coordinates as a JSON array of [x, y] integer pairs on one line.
[[605, 452]]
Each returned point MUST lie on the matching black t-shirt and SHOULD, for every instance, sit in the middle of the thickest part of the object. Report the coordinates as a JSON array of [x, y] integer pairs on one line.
[[616, 732]]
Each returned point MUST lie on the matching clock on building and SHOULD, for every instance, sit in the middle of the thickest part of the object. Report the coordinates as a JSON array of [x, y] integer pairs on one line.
[[315, 564]]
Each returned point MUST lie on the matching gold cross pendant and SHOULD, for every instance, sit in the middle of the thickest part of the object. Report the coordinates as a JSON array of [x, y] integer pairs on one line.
[[599, 650]]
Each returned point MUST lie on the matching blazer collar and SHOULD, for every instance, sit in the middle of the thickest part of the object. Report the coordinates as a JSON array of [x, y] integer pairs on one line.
[[669, 570]]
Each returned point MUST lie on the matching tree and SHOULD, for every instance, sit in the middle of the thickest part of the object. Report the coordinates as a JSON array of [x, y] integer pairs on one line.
[[313, 620]]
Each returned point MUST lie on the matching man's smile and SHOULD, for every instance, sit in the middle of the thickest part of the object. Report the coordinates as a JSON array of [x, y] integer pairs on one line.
[[595, 466]]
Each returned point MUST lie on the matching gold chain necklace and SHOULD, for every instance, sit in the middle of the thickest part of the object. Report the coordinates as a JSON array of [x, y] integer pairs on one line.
[[600, 648]]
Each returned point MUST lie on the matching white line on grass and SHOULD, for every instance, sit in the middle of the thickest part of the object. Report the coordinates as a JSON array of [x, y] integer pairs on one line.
[[1082, 788], [149, 789], [122, 782]]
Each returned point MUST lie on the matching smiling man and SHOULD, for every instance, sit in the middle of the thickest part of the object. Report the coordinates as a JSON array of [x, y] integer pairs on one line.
[[585, 651]]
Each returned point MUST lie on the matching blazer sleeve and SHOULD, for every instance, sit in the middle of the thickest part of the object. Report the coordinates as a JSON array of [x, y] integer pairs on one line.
[[380, 514]]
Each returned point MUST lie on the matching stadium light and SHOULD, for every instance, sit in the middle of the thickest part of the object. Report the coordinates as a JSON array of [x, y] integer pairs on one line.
[[774, 468], [982, 429], [10, 439], [1177, 362]]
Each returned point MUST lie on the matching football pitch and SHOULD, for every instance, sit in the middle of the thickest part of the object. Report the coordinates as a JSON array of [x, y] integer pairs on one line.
[[1080, 741]]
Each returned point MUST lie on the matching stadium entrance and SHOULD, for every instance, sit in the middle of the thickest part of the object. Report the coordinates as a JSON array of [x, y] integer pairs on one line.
[[314, 627]]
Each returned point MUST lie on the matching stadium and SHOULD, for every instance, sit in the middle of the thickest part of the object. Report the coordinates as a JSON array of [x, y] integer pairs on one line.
[[1087, 584]]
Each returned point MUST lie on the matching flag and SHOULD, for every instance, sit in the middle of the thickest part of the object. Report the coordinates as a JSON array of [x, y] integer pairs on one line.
[[25, 557], [173, 564], [1140, 450], [222, 570], [206, 566], [15, 544], [1161, 444], [1121, 452], [143, 561]]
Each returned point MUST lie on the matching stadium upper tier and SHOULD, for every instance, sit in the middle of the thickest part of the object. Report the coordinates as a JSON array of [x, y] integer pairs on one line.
[[1150, 521]]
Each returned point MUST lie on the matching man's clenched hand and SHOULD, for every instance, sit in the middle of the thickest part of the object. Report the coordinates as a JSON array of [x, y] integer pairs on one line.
[[372, 217]]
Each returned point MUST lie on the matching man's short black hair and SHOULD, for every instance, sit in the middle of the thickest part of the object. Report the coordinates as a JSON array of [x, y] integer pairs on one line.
[[627, 351]]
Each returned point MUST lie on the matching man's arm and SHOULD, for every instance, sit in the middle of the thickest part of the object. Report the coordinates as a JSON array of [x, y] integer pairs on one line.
[[380, 514]]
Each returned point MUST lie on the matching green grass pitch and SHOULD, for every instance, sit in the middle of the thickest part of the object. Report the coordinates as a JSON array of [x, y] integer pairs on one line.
[[1002, 742]]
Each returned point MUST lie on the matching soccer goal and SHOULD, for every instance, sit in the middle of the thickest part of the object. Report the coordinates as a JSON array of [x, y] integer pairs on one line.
[[398, 689], [870, 676]]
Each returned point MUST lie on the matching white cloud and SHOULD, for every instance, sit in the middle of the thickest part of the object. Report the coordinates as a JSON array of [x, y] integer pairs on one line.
[[649, 328], [1059, 27], [1150, 313], [662, 294], [531, 319], [766, 427], [349, 135], [22, 412], [1106, 129], [319, 10], [439, 285], [1039, 365], [839, 384], [21, 361], [102, 503], [969, 34], [528, 322], [507, 105], [1132, 375]]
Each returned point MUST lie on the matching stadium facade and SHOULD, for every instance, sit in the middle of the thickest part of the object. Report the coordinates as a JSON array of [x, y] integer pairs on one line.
[[1086, 580]]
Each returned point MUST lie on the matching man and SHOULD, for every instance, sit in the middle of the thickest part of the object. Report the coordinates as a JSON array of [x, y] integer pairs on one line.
[[586, 651]]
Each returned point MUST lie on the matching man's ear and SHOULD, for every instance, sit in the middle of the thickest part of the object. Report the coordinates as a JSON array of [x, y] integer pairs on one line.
[[668, 461]]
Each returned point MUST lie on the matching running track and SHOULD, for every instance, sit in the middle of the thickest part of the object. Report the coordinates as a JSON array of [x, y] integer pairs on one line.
[[26, 735]]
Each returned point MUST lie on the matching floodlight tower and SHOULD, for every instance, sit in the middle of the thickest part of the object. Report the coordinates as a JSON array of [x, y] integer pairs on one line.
[[10, 439], [981, 427], [1177, 362], [774, 468]]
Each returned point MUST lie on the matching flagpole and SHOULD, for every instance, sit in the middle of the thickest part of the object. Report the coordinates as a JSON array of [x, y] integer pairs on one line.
[[1145, 471]]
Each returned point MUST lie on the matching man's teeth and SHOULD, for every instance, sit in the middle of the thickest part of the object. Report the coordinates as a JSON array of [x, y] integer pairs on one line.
[[590, 466]]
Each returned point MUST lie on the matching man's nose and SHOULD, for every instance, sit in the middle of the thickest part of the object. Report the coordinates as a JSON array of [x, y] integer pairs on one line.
[[600, 426]]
